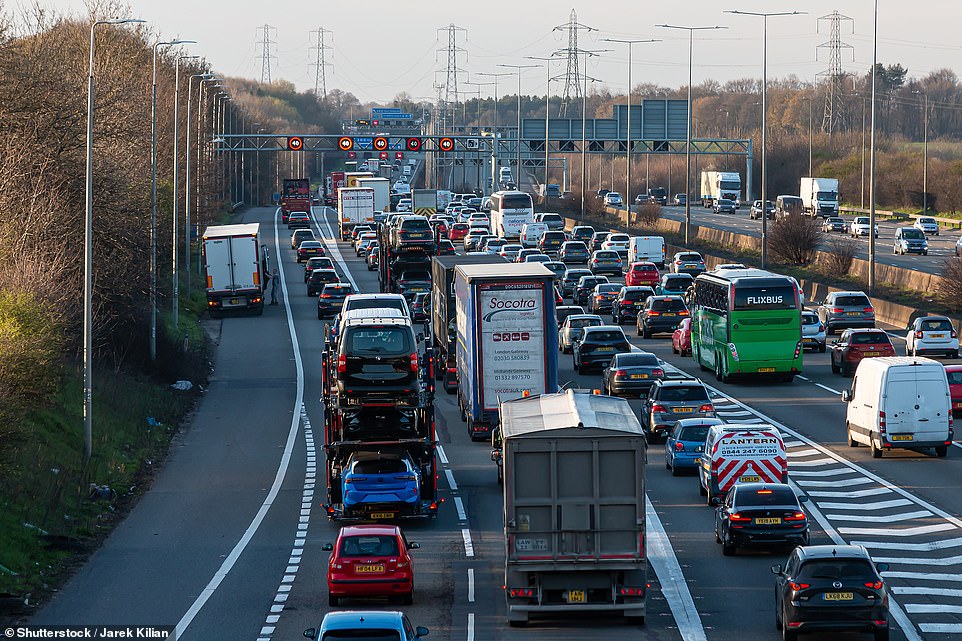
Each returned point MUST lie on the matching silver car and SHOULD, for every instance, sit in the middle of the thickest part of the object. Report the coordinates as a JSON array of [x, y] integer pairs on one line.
[[844, 310], [573, 328], [510, 251], [813, 332]]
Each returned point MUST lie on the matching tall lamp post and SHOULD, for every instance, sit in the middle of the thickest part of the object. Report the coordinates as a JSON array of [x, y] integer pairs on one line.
[[925, 151], [204, 77], [153, 199], [478, 153], [871, 171], [584, 127], [628, 128], [518, 136], [691, 36], [88, 244], [497, 122], [547, 102], [765, 16], [175, 284]]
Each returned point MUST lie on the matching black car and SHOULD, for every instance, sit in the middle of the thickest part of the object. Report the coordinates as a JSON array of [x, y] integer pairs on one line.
[[331, 299], [582, 290], [598, 345], [669, 401], [319, 278], [760, 513], [603, 296], [420, 307], [571, 278], [561, 312], [831, 588], [446, 248], [660, 314], [629, 302], [378, 361], [597, 239], [414, 281], [582, 233], [298, 220], [632, 374], [575, 252]]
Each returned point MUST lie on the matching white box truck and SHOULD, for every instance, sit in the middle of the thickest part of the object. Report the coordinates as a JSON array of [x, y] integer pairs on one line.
[[819, 196], [382, 193], [573, 466], [237, 268], [720, 184], [355, 206]]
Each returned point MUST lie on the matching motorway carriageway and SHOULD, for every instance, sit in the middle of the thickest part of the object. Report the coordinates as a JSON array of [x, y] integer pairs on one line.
[[228, 540]]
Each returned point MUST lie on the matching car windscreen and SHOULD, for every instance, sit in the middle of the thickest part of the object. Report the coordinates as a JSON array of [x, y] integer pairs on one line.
[[914, 234], [853, 301], [668, 305], [849, 570], [764, 298], [696, 433], [868, 338], [935, 325], [683, 393], [637, 360], [369, 545], [766, 496], [377, 341], [604, 337]]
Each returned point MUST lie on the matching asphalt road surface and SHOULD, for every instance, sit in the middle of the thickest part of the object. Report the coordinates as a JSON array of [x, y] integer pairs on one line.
[[227, 542]]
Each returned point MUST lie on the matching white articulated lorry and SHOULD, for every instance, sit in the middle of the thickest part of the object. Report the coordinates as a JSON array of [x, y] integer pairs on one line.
[[819, 196], [720, 184]]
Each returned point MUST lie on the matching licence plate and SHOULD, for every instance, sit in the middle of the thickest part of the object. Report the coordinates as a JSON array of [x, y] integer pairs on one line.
[[808, 340], [901, 437], [606, 349], [368, 569], [838, 596], [639, 304], [853, 313], [577, 596], [958, 405], [639, 376], [682, 410], [870, 353], [768, 521], [668, 314], [766, 369], [382, 515], [750, 478], [937, 336]]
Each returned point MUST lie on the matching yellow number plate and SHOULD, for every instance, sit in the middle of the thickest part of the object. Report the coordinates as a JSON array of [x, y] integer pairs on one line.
[[901, 437], [750, 478], [577, 596], [606, 349], [870, 354], [682, 410], [368, 569], [839, 596], [636, 376], [766, 369], [382, 515], [937, 336], [774, 521]]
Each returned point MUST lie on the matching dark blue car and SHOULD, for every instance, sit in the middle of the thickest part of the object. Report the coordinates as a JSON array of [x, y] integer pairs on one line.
[[686, 442]]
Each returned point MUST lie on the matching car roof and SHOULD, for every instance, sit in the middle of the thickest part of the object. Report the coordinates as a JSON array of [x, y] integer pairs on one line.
[[399, 321], [605, 328], [364, 619], [809, 552], [684, 382], [696, 422]]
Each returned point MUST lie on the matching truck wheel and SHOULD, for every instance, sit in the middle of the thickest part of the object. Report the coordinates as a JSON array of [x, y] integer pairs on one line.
[[876, 450], [851, 441], [941, 451]]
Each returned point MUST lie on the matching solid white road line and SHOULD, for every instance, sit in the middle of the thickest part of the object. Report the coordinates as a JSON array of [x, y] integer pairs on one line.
[[847, 482], [836, 472], [949, 592], [880, 518], [331, 241], [855, 494], [909, 531], [282, 466], [663, 561]]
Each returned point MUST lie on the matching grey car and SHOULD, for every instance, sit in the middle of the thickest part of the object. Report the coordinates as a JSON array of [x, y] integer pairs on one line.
[[834, 223], [813, 332], [632, 374], [725, 206], [844, 310], [571, 278], [688, 263], [672, 400], [573, 328]]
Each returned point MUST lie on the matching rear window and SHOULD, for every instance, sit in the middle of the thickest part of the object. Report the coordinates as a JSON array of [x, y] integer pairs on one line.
[[415, 224], [853, 301], [369, 545], [554, 236], [809, 318], [516, 201], [935, 325], [678, 281], [689, 256], [767, 496], [668, 305], [612, 288], [311, 243], [378, 341], [869, 338], [683, 393], [848, 570], [644, 268], [618, 238], [579, 323], [380, 466], [606, 255], [459, 226], [637, 360], [761, 298], [415, 276], [605, 336], [637, 294], [550, 218], [955, 378], [695, 433], [376, 303]]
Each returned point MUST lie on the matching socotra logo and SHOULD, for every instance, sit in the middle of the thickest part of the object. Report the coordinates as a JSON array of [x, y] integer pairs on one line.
[[502, 306]]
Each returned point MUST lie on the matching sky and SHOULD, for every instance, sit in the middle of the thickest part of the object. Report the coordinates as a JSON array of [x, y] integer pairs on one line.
[[380, 48]]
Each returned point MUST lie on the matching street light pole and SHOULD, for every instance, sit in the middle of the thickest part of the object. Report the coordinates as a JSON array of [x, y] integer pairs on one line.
[[478, 153], [547, 103], [765, 17], [190, 82], [925, 151], [518, 136], [494, 139], [153, 200], [871, 176], [691, 36], [88, 245], [628, 130], [175, 284]]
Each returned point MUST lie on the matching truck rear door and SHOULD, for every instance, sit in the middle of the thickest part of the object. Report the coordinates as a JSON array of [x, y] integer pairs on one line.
[[217, 253], [246, 271], [931, 407]]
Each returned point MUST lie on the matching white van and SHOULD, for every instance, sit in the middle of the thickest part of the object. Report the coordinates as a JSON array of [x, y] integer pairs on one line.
[[899, 401], [531, 234], [647, 249], [733, 454], [406, 170]]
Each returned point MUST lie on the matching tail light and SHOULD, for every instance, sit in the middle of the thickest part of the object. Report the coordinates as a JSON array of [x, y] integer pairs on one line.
[[626, 591], [516, 593], [683, 313], [869, 310], [657, 372], [875, 585], [341, 363], [919, 334], [324, 296], [659, 409], [821, 327], [679, 446], [414, 362], [798, 348], [837, 310], [600, 297], [881, 422], [796, 516], [707, 407], [738, 518], [955, 334], [621, 372], [626, 303], [799, 586], [678, 262], [652, 312]]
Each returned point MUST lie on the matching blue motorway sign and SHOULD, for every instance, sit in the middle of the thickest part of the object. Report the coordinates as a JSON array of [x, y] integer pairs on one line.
[[383, 111], [363, 143]]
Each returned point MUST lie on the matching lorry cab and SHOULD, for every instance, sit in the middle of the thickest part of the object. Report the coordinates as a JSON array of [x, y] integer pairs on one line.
[[899, 401], [733, 454]]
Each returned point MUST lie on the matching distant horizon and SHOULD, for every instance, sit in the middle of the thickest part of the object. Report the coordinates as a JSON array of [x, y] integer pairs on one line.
[[396, 49]]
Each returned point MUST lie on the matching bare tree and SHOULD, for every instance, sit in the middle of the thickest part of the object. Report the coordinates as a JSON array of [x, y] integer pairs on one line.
[[794, 239]]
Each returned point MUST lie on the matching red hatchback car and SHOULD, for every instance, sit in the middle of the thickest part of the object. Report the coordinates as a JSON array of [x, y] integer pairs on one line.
[[856, 344], [458, 231], [954, 372], [642, 273], [681, 338], [370, 561]]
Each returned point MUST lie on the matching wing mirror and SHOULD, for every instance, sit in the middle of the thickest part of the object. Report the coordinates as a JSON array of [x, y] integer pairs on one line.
[[414, 546], [310, 633], [328, 547], [777, 569], [846, 396]]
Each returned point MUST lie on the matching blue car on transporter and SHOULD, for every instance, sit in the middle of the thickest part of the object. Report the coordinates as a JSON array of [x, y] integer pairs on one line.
[[686, 442], [380, 485]]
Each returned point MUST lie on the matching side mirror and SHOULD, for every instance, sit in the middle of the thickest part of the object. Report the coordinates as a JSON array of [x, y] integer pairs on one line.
[[310, 633], [328, 547], [777, 569], [421, 631], [414, 546], [803, 498], [846, 396], [882, 567]]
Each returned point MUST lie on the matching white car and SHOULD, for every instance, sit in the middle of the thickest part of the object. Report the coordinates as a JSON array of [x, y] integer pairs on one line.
[[613, 199], [727, 266], [510, 251], [927, 224], [618, 243], [404, 204], [860, 227], [932, 335]]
